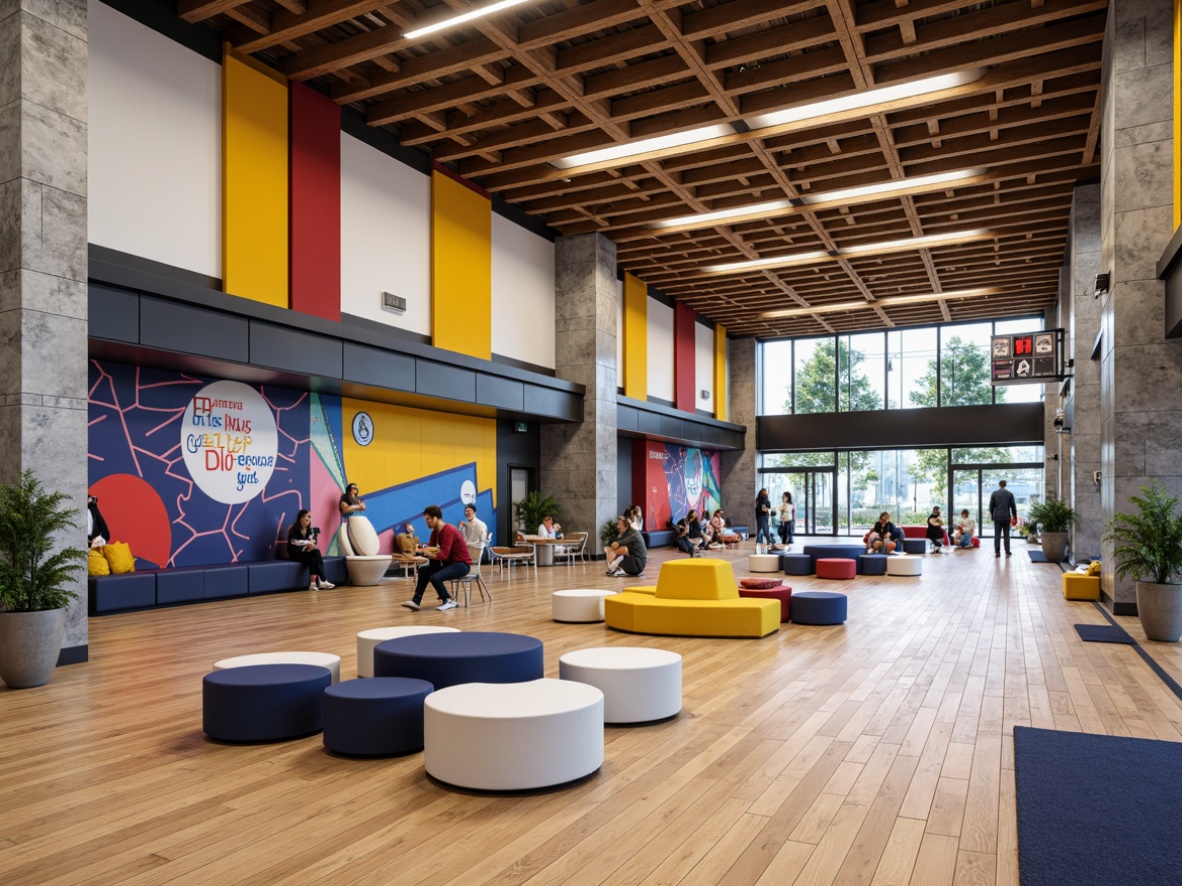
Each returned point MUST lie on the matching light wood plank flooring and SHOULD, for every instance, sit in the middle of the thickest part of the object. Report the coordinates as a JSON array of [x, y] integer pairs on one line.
[[880, 752]]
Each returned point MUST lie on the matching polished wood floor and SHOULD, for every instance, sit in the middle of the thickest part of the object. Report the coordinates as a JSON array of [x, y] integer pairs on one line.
[[879, 752]]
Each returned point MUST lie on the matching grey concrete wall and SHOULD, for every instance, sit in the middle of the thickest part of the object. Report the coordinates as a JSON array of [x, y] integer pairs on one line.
[[43, 237], [739, 468], [579, 461], [1140, 398], [1083, 455]]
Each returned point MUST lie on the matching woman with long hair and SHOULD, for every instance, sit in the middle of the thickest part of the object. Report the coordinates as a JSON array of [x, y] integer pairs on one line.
[[763, 516], [301, 547], [787, 519]]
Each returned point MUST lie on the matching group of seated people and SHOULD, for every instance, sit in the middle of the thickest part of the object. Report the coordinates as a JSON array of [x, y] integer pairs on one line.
[[885, 537], [693, 535]]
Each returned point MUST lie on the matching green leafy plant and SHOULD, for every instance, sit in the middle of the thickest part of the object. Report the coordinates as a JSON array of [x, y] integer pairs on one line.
[[1148, 543], [609, 532], [532, 509], [33, 576], [1053, 515]]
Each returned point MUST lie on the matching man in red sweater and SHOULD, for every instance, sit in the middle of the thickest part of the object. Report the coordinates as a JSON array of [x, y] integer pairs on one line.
[[447, 559]]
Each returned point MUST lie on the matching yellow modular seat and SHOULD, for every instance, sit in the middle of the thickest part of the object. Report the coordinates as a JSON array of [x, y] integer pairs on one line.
[[1077, 586], [651, 590], [693, 598]]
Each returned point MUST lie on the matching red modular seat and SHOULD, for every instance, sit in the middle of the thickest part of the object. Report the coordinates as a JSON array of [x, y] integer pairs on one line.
[[832, 567], [783, 593]]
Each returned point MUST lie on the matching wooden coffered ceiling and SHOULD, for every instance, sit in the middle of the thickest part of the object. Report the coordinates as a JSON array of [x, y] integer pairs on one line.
[[499, 98]]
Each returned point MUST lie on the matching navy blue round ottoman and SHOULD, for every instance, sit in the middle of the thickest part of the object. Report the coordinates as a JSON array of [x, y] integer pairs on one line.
[[818, 608], [263, 702], [796, 564], [377, 716], [915, 545], [872, 564], [466, 657]]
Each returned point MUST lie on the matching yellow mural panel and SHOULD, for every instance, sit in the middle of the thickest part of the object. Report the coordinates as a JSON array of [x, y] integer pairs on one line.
[[635, 332], [409, 444], [720, 374], [461, 268]]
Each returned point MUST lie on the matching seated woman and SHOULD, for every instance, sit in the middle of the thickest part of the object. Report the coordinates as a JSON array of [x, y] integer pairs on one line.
[[301, 547], [722, 532], [549, 529], [966, 527], [884, 536], [695, 529], [935, 530], [684, 544], [627, 555]]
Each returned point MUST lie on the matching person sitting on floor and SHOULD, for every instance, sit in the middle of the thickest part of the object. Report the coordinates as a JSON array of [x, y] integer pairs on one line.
[[627, 555]]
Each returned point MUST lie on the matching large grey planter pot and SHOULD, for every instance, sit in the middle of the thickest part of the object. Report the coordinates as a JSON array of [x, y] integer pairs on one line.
[[30, 644], [1160, 610], [1054, 546]]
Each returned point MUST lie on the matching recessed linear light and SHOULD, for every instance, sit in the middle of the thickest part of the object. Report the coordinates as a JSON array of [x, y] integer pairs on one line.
[[886, 246], [880, 303], [859, 100], [644, 145], [862, 193], [460, 19], [723, 133]]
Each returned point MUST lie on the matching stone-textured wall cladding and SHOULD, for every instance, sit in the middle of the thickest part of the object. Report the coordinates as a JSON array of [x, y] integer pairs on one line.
[[1140, 399], [579, 461], [43, 237], [1083, 250], [739, 468]]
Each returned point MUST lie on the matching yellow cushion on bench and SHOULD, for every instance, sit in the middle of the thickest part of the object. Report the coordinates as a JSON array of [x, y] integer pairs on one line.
[[701, 579], [119, 558], [1077, 586], [96, 563]]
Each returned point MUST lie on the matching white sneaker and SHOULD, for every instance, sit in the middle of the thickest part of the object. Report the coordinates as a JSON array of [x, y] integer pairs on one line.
[[326, 586], [617, 573], [313, 587], [411, 604], [446, 605]]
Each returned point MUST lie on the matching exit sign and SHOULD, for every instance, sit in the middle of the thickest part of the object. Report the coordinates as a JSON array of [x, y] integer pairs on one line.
[[520, 427]]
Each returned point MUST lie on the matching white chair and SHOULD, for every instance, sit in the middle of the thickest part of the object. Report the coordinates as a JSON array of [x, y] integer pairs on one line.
[[476, 552], [522, 554], [576, 549]]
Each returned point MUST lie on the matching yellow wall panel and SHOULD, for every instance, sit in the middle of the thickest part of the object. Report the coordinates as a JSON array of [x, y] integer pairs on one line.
[[254, 182], [720, 374], [412, 443], [461, 268], [635, 332]]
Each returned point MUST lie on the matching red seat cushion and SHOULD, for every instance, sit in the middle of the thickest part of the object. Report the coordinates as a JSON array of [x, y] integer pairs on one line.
[[753, 584], [780, 592], [833, 567]]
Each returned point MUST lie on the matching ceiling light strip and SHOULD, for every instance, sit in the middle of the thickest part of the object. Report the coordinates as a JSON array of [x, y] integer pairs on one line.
[[462, 18], [879, 303]]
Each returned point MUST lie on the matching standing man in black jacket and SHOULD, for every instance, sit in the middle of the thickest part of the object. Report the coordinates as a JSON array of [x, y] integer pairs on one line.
[[1003, 508]]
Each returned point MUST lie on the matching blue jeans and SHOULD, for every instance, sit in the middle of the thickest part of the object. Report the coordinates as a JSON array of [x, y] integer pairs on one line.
[[966, 541], [436, 573], [764, 535]]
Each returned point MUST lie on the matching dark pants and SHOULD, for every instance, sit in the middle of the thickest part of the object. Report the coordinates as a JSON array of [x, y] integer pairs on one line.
[[437, 574], [783, 532], [765, 530], [633, 565], [1001, 528], [312, 560], [685, 544]]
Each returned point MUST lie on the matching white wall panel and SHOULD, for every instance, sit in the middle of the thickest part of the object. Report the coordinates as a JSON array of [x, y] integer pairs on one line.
[[154, 162], [385, 237], [660, 351], [703, 367], [522, 294]]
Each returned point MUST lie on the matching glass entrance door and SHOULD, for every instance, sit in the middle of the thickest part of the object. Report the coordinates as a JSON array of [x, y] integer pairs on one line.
[[813, 494], [972, 487]]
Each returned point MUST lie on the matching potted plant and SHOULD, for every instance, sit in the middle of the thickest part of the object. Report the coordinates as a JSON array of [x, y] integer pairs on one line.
[[609, 532], [1147, 547], [532, 509], [34, 580], [1054, 518]]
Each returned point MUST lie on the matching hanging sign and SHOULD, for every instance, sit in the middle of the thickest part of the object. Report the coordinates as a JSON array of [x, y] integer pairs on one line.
[[1027, 357]]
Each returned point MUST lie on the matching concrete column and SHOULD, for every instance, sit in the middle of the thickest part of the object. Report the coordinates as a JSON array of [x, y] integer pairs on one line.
[[1082, 452], [739, 468], [43, 236], [579, 461], [1140, 398]]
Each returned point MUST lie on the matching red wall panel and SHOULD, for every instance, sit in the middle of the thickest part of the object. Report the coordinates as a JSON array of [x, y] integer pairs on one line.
[[684, 347], [315, 203]]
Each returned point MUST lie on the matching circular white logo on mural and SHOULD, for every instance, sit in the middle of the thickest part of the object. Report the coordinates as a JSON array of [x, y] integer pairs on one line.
[[468, 492], [229, 441], [363, 429]]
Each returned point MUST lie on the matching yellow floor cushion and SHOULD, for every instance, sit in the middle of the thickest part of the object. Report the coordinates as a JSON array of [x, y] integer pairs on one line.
[[1077, 586], [642, 614], [697, 579]]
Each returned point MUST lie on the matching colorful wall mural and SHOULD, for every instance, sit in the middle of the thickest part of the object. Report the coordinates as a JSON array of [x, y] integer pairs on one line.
[[191, 470], [678, 478]]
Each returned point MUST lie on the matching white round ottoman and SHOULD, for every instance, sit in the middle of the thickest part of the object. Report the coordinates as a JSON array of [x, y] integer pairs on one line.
[[367, 640], [764, 563], [578, 605], [638, 684], [320, 659], [513, 736], [904, 564]]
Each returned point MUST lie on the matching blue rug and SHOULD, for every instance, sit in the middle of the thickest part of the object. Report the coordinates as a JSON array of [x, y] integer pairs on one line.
[[1097, 810], [1103, 634], [1037, 556]]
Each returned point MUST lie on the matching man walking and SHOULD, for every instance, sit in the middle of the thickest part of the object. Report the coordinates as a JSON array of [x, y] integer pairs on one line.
[[1003, 508]]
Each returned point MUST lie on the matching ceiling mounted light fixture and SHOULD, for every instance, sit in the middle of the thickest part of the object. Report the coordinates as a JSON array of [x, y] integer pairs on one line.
[[886, 246], [891, 97], [462, 18], [860, 194], [880, 303]]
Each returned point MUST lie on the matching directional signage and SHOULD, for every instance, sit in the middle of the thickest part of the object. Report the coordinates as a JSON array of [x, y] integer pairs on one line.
[[1027, 357]]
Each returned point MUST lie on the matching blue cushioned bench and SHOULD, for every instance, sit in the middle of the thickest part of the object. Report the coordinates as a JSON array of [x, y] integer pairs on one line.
[[149, 588], [659, 538]]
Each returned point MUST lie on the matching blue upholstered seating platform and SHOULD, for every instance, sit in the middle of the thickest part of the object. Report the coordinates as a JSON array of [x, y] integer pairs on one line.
[[818, 608], [376, 716], [466, 657], [263, 702]]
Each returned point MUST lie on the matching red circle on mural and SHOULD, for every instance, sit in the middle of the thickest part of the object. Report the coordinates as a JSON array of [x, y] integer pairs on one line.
[[135, 515]]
